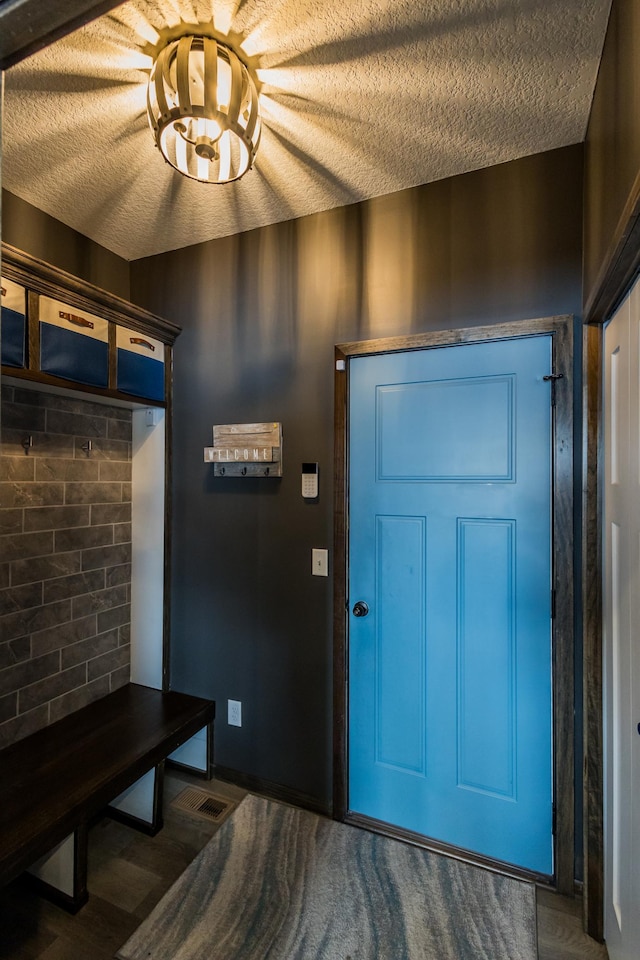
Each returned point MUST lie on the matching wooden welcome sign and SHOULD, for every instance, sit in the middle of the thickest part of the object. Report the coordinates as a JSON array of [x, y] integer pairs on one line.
[[246, 450]]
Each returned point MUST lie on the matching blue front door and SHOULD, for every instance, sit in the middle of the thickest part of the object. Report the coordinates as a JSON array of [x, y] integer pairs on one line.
[[450, 705]]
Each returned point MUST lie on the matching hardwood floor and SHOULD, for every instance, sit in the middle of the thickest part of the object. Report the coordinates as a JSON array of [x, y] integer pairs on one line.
[[129, 873], [560, 934]]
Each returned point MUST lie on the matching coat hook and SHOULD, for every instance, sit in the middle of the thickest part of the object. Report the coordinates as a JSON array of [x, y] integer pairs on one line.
[[26, 444], [222, 471], [266, 472], [87, 447], [244, 471]]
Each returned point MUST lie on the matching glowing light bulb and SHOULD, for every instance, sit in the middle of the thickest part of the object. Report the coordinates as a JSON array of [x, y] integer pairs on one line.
[[224, 84], [225, 156]]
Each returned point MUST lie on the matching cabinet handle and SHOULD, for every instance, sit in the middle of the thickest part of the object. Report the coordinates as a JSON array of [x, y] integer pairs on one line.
[[142, 343], [72, 318]]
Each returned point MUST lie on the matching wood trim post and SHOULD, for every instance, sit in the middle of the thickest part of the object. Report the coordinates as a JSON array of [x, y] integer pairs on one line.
[[340, 592], [593, 749], [563, 627], [33, 331], [113, 356], [168, 516]]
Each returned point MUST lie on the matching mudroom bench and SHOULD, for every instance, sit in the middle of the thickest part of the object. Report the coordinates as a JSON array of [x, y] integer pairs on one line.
[[108, 755]]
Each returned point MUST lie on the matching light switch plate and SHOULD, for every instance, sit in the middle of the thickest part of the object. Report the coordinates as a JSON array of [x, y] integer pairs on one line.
[[320, 562]]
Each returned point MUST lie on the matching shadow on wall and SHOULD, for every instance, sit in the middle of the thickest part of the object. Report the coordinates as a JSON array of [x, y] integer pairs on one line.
[[261, 313], [265, 328]]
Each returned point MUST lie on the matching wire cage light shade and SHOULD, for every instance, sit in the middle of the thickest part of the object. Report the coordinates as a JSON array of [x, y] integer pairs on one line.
[[203, 110]]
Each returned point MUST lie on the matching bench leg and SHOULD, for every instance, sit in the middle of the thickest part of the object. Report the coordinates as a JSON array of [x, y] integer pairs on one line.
[[61, 875], [196, 754], [140, 806]]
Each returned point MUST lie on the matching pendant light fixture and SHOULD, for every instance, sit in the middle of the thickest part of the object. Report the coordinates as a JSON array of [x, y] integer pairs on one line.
[[203, 110]]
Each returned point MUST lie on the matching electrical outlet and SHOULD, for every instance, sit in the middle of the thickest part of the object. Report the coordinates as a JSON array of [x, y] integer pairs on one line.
[[234, 713]]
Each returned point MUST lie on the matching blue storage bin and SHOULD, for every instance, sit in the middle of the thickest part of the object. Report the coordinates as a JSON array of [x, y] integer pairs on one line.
[[73, 344], [13, 321], [140, 364]]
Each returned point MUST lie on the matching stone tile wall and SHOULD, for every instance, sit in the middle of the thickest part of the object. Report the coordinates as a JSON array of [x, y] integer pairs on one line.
[[65, 557]]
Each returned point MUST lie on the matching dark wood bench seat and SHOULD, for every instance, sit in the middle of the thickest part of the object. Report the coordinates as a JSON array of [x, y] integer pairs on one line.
[[53, 782]]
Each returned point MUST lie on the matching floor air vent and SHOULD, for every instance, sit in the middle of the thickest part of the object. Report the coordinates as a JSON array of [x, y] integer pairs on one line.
[[202, 804]]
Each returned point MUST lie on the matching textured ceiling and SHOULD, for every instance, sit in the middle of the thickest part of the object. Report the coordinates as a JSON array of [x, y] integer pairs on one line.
[[359, 99]]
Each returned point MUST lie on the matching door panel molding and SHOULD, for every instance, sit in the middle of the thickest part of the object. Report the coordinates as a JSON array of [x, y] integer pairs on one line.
[[561, 330]]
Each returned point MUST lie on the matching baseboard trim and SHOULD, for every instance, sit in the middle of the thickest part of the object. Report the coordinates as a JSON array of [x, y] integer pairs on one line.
[[275, 791], [194, 771], [136, 823]]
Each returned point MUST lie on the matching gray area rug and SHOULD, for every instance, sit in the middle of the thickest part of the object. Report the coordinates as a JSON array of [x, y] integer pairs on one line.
[[280, 883]]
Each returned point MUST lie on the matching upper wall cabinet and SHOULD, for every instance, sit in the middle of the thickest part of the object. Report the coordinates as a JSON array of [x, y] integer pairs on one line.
[[59, 330], [73, 345], [13, 319], [140, 364]]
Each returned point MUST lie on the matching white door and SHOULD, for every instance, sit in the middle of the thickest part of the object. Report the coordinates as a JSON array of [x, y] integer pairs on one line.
[[621, 535]]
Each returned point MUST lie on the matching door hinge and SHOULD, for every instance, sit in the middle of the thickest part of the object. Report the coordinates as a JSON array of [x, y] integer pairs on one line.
[[552, 378], [553, 604]]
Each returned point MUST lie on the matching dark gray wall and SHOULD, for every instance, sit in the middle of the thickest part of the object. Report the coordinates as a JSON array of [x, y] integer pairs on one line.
[[35, 232], [261, 312], [612, 148]]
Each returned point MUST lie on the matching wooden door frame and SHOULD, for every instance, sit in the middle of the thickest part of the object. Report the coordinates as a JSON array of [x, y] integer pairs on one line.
[[620, 267], [592, 631], [561, 331]]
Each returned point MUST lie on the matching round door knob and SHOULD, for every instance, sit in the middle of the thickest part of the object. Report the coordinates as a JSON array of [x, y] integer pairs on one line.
[[360, 609]]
